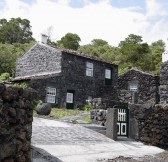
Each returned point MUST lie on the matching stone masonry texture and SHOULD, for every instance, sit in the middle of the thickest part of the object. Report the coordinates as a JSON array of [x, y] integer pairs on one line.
[[38, 59], [152, 123], [164, 83], [71, 75], [148, 86], [16, 116]]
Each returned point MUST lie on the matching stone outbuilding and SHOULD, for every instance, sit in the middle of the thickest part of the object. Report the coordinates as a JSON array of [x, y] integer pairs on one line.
[[64, 77], [145, 85]]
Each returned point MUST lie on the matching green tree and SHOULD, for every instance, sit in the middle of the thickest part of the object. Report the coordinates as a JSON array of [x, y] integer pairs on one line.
[[16, 30], [99, 42], [157, 48], [70, 41], [100, 48], [134, 53], [9, 54]]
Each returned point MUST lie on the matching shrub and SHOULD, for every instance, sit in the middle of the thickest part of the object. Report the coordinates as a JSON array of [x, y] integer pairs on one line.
[[22, 85], [4, 76], [36, 102], [87, 107]]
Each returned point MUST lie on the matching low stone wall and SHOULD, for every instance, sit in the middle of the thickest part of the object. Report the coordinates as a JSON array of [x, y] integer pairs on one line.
[[99, 109], [150, 123], [147, 122], [98, 116], [16, 116]]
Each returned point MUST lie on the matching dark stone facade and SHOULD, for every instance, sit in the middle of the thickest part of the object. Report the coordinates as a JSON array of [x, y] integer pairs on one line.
[[68, 74], [147, 86], [16, 116], [164, 83]]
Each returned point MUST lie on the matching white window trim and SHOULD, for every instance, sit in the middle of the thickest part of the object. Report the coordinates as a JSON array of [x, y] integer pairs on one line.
[[69, 98], [51, 95], [133, 87], [108, 73], [89, 69]]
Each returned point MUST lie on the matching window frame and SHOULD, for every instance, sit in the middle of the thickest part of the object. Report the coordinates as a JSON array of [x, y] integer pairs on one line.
[[133, 86], [89, 69], [69, 96], [107, 73], [51, 95]]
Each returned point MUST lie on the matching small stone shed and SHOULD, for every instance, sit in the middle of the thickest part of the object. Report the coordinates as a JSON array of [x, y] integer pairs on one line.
[[144, 84], [64, 77]]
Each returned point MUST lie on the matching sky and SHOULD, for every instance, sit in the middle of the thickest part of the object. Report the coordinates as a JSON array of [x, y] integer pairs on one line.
[[110, 20]]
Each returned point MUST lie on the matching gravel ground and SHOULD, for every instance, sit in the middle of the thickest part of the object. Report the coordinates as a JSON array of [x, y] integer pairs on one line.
[[162, 157]]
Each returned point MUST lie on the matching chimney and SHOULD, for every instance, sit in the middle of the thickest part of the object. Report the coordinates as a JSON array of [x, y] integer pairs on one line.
[[44, 38], [165, 56]]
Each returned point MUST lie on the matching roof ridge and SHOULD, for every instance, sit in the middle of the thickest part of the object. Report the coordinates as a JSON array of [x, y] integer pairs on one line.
[[70, 51], [138, 70]]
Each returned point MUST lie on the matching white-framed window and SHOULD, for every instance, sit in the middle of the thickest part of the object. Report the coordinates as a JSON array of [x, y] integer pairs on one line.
[[89, 69], [69, 97], [51, 95], [107, 73], [133, 87]]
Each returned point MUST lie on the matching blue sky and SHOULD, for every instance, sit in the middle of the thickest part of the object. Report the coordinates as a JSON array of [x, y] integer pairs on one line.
[[111, 20]]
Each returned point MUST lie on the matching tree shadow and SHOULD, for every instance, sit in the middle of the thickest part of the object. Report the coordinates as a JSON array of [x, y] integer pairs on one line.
[[40, 155]]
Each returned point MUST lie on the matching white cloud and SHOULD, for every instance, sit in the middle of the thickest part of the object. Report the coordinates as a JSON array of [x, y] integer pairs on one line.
[[94, 20], [155, 9]]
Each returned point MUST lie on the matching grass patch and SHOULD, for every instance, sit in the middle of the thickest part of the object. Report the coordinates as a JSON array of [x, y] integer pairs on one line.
[[86, 118], [58, 113]]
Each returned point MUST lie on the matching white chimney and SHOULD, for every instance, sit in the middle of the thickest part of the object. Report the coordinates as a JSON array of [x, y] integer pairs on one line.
[[165, 56], [44, 38]]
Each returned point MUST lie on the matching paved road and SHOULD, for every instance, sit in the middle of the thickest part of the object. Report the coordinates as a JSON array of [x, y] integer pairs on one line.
[[59, 141]]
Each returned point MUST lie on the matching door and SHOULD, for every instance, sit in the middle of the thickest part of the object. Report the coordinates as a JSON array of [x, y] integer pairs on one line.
[[123, 121], [70, 99]]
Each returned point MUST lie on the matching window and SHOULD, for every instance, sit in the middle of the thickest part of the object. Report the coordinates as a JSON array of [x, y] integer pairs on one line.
[[133, 87], [69, 98], [108, 76], [107, 73], [51, 94], [89, 69]]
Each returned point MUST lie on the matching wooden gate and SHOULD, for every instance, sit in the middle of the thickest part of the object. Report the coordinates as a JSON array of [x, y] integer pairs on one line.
[[123, 120]]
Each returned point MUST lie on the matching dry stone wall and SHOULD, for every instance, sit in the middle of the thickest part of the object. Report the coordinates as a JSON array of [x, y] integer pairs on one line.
[[16, 116], [149, 123], [99, 109]]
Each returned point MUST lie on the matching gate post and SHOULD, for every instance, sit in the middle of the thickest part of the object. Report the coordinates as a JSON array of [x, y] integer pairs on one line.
[[111, 123]]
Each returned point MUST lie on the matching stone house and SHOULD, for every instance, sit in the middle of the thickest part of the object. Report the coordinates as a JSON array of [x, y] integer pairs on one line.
[[164, 79], [64, 77], [145, 85]]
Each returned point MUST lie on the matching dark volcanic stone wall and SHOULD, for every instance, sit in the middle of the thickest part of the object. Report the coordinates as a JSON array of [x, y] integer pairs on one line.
[[73, 77], [147, 86], [16, 116], [164, 83], [99, 109], [150, 123], [39, 59]]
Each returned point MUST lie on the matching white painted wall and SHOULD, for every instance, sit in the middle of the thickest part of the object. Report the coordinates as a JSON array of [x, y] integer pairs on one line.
[[165, 56]]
